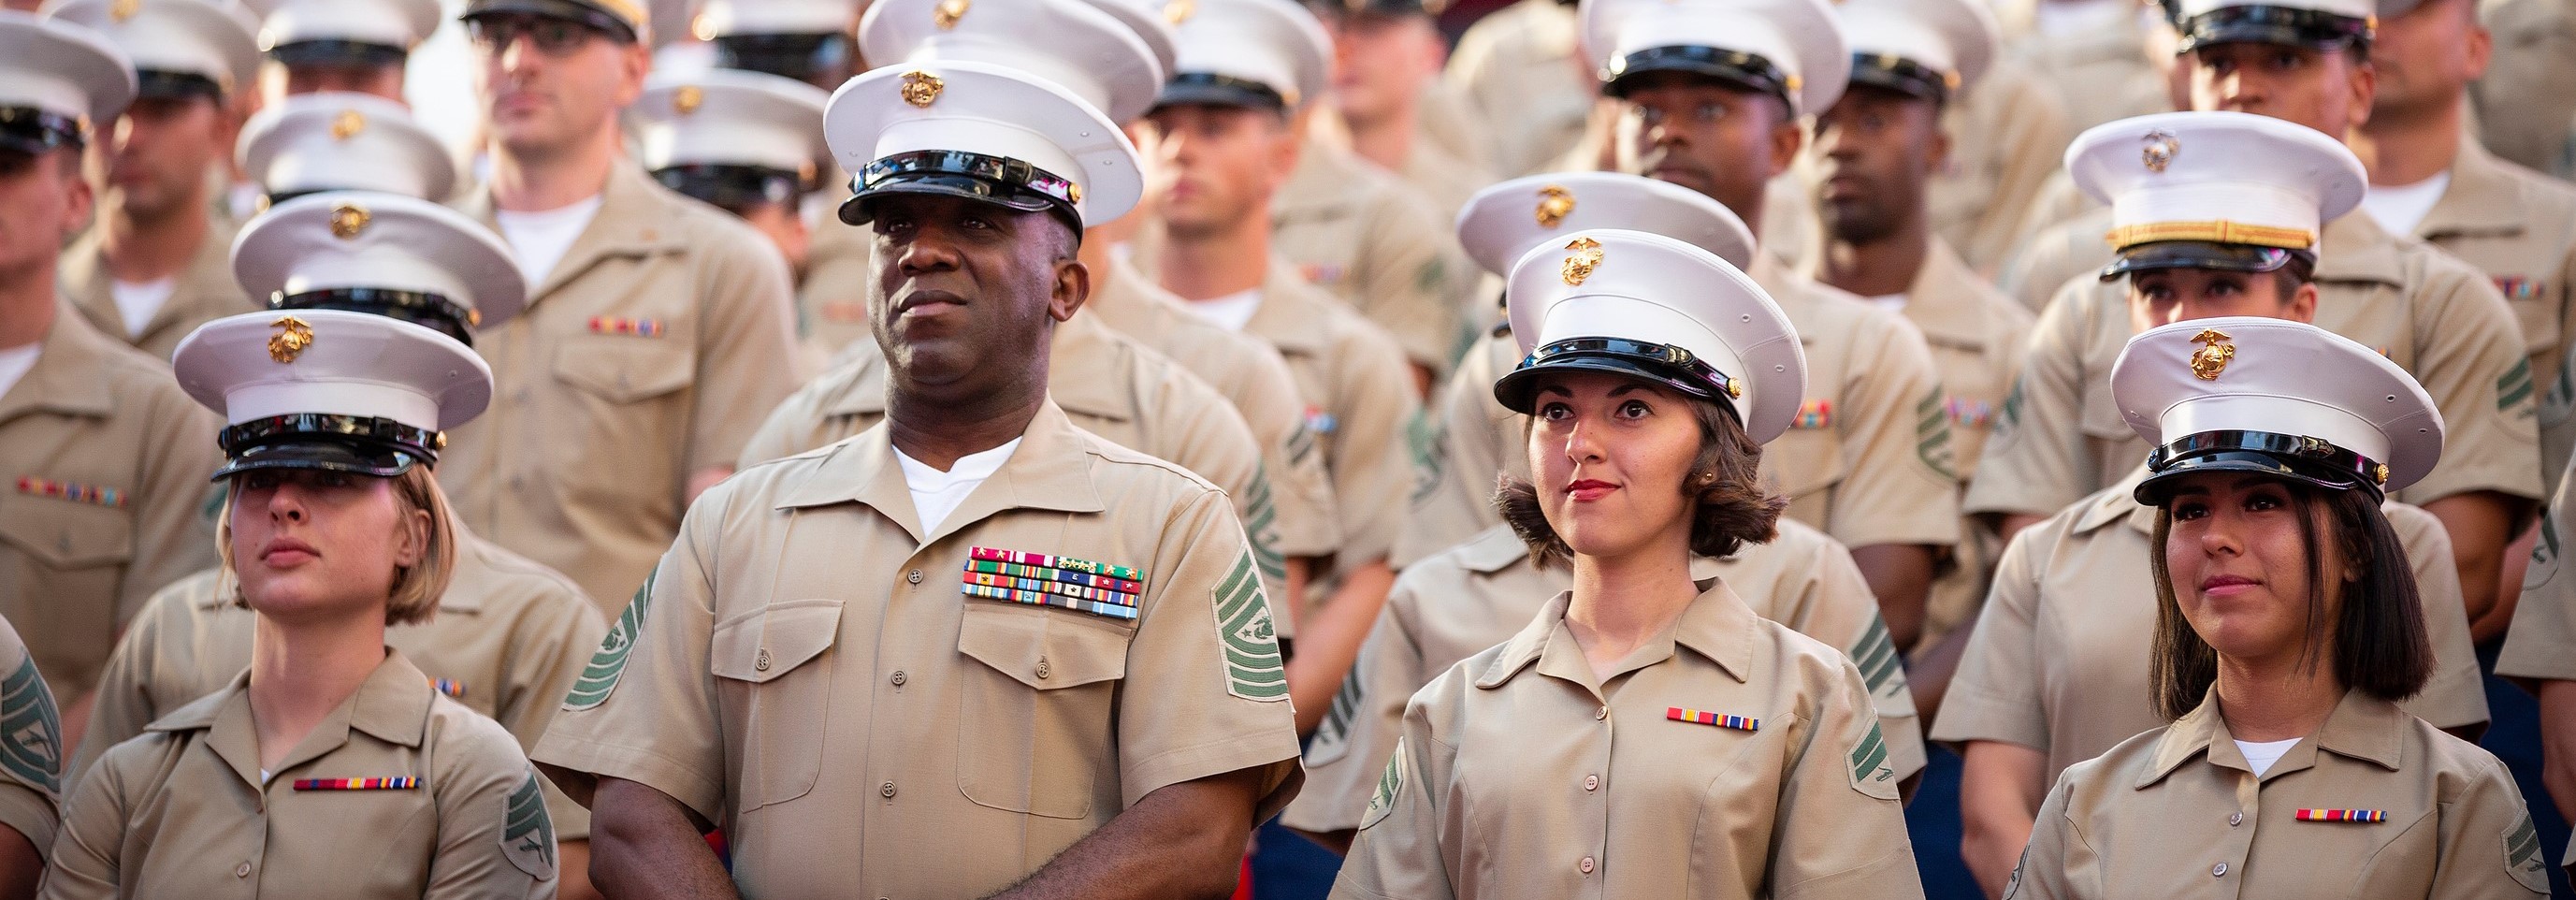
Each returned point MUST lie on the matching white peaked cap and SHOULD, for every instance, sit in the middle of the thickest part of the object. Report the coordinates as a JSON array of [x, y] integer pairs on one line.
[[62, 68], [1502, 222], [1073, 43], [354, 364], [2276, 377], [722, 18], [2223, 177], [206, 38], [1275, 43], [1954, 37], [1800, 37], [390, 23], [337, 140], [362, 239], [991, 110], [729, 117]]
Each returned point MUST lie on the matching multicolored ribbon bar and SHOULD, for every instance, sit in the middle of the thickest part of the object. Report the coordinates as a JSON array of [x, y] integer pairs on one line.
[[448, 686], [1814, 414], [1705, 717], [2343, 815], [77, 493], [1969, 413], [1074, 591], [1042, 598], [1017, 570], [356, 784], [1065, 563], [636, 327]]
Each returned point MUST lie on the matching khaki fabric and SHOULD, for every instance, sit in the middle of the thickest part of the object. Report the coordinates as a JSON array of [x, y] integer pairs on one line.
[[31, 749], [1518, 776], [803, 671], [2070, 247], [2442, 320], [203, 291], [1870, 458], [181, 811], [2100, 75], [832, 298], [1477, 440], [1446, 121], [2058, 662], [1107, 383], [1443, 176], [1252, 376], [2528, 98], [1363, 235], [508, 640], [1363, 417], [2178, 812], [1521, 76], [1480, 593], [106, 464], [2542, 641], [2007, 134], [2519, 228], [583, 461]]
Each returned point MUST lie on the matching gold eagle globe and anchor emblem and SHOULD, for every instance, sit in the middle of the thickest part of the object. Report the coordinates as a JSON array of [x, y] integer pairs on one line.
[[1554, 204], [946, 14], [921, 88], [291, 339], [1579, 265], [2160, 150], [2216, 350], [347, 124]]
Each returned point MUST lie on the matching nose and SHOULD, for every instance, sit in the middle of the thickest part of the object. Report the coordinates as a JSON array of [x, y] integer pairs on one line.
[[1582, 443], [928, 251], [2220, 535], [518, 53], [286, 503]]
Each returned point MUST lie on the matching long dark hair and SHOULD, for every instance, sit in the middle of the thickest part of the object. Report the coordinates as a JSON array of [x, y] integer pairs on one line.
[[2380, 646], [1733, 508]]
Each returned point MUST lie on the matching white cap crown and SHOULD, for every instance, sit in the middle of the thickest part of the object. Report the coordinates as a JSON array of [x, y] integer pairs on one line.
[[1501, 223]]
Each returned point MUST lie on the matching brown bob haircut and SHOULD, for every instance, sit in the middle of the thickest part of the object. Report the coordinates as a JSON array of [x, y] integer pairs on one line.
[[1733, 508], [417, 589], [2379, 643]]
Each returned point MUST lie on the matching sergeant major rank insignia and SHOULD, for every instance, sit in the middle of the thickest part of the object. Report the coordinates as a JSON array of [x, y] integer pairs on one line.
[[600, 676], [1253, 669], [31, 733]]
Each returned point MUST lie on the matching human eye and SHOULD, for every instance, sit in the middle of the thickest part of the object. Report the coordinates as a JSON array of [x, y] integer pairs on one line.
[[2190, 510], [1634, 409], [1554, 412]]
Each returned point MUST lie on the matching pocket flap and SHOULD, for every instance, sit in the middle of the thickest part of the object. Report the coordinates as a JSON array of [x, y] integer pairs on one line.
[[626, 369], [769, 642], [1043, 648], [1805, 460], [71, 537]]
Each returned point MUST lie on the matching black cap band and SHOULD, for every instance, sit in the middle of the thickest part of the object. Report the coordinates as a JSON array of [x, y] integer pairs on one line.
[[1904, 76], [803, 57], [2282, 25], [163, 85], [999, 180], [427, 310], [1663, 364], [1212, 89], [1750, 71], [367, 445], [733, 186], [29, 130], [2297, 457], [337, 52]]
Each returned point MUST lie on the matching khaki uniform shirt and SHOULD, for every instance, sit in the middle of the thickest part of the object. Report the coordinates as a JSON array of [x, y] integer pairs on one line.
[[202, 291], [1870, 458], [31, 746], [2062, 437], [106, 500], [1252, 376], [2178, 812], [183, 811], [2528, 97], [1477, 440], [832, 298], [2520, 229], [1478, 594], [649, 353], [1519, 776], [1363, 235], [1453, 128], [1363, 417], [2542, 642], [803, 670], [1445, 178], [2099, 74], [2070, 246], [2007, 134], [2059, 660], [1106, 383], [509, 638], [1521, 76]]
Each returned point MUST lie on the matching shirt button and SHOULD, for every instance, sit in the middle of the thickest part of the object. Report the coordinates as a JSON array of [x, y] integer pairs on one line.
[[241, 871], [913, 576], [1591, 782], [2235, 818], [761, 663], [2218, 871], [1601, 714], [886, 790], [1585, 865], [898, 678], [1043, 669]]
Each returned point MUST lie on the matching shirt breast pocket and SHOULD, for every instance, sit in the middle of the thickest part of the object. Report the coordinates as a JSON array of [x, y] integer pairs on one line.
[[1805, 461], [71, 560], [1040, 696], [774, 681]]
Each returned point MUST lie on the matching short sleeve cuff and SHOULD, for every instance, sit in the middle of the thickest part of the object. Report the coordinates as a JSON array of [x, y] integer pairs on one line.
[[1273, 750], [577, 764], [29, 813], [1971, 715]]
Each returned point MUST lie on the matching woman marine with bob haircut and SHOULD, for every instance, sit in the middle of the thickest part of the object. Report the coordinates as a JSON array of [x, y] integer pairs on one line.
[[1645, 735], [2287, 630]]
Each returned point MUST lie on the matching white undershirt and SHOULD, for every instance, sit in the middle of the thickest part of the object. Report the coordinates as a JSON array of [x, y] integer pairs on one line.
[[540, 239], [139, 302], [2261, 755], [2401, 207], [15, 363], [935, 494], [1231, 312], [1894, 303]]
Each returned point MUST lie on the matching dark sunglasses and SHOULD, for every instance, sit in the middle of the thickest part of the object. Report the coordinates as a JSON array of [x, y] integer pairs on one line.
[[552, 37]]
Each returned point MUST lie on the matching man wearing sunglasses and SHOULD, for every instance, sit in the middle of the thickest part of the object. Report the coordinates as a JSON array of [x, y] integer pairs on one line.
[[657, 330]]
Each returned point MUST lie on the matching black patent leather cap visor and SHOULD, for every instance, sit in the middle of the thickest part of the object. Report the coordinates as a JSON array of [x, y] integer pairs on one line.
[[1517, 390], [381, 461], [2286, 457], [2198, 255]]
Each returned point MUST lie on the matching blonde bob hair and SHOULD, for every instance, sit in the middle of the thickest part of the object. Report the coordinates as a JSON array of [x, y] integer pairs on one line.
[[417, 588]]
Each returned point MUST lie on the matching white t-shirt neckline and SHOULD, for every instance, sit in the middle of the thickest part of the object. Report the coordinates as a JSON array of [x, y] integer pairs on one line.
[[1231, 312], [540, 239], [16, 362], [2260, 755], [138, 301], [2401, 207], [935, 494]]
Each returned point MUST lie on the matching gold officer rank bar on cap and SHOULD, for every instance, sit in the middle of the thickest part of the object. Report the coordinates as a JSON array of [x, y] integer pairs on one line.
[[1041, 579], [356, 784], [1704, 717], [2343, 815]]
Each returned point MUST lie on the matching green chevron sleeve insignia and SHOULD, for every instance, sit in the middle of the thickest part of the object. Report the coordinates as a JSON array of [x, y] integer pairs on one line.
[[1870, 773], [1932, 435], [1253, 669], [1876, 657], [1390, 788], [1422, 437], [2515, 387], [529, 837], [1333, 736], [31, 732], [600, 676], [1261, 525]]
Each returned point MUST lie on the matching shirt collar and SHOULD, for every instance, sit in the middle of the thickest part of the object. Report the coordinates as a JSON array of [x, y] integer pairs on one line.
[[2116, 503], [392, 705], [630, 222], [1943, 302], [1279, 320], [1717, 625], [67, 377], [2356, 248], [2360, 727], [2484, 197], [1051, 471]]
